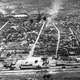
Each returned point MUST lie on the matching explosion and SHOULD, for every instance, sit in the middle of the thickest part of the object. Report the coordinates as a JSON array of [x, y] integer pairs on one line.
[[56, 6]]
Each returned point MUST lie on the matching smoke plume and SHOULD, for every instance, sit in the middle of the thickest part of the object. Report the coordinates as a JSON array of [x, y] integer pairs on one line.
[[55, 7]]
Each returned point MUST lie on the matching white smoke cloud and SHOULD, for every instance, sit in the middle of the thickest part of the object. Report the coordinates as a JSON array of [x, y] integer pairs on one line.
[[53, 10], [55, 7]]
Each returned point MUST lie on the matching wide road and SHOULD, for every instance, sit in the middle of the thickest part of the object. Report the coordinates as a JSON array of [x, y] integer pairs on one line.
[[52, 73], [53, 70]]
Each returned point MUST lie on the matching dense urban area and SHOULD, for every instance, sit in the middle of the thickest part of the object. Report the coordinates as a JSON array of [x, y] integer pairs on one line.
[[19, 31]]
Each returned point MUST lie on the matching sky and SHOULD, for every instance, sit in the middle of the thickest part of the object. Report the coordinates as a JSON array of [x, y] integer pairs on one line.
[[19, 5]]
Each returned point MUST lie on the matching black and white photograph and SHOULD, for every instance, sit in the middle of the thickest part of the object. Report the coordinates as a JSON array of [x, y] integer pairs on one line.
[[39, 40]]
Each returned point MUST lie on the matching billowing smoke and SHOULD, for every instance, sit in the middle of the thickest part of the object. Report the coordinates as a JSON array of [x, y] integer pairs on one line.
[[54, 10], [55, 7]]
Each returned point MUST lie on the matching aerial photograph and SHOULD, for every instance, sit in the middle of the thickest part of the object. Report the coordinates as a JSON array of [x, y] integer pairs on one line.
[[39, 39]]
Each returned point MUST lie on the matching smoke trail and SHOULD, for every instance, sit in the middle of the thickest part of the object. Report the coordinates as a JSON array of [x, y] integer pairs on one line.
[[34, 45], [4, 25], [53, 11], [56, 6], [58, 38]]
